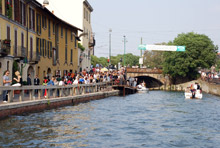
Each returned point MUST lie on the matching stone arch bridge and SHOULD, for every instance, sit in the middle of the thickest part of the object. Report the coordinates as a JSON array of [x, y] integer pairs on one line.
[[152, 77]]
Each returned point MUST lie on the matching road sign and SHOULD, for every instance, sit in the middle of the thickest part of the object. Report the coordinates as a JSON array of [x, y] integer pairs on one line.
[[162, 48], [142, 47]]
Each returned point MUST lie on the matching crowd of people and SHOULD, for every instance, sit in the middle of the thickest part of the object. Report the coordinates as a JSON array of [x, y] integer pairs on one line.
[[210, 74], [95, 75]]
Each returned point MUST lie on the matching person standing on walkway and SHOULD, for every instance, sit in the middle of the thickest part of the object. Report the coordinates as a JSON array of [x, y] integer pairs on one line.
[[6, 82], [29, 80], [36, 82]]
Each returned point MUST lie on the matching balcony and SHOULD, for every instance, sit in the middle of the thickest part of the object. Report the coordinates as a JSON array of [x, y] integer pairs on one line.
[[5, 47], [34, 58], [92, 42], [20, 52]]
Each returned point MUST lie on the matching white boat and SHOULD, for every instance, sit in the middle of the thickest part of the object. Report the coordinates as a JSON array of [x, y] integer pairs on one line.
[[141, 88], [189, 95]]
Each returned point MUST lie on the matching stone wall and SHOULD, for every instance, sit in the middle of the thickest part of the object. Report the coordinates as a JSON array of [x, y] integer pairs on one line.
[[27, 107]]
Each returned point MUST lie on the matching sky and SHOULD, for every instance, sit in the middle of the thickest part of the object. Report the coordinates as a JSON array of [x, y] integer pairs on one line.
[[156, 21]]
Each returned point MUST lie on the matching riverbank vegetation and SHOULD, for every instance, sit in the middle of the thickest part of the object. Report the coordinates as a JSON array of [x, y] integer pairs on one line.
[[130, 59], [200, 53]]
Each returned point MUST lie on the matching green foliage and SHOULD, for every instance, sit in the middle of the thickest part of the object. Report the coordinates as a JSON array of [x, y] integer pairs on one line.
[[217, 63], [200, 52], [153, 59], [131, 60], [14, 69], [80, 46], [95, 60], [9, 11], [24, 83]]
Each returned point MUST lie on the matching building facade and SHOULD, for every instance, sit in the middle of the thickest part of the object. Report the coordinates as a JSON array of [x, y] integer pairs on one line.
[[35, 40], [78, 12], [87, 39]]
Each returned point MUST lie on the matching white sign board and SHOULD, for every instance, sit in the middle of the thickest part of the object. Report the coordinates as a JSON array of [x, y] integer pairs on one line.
[[161, 47], [141, 61], [165, 48]]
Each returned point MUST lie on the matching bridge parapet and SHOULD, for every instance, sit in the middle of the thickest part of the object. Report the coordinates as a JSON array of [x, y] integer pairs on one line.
[[144, 70]]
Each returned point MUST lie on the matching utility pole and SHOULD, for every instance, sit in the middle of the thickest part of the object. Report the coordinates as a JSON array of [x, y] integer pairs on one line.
[[141, 53], [110, 30], [124, 49]]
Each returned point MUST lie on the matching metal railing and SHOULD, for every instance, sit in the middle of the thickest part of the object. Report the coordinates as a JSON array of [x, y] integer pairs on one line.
[[35, 57], [212, 80], [20, 52], [38, 92]]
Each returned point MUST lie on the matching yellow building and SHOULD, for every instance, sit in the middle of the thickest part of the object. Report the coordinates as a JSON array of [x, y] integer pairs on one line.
[[57, 45], [41, 43]]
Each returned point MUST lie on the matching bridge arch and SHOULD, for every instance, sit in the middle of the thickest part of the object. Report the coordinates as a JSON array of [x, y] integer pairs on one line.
[[152, 77], [149, 81]]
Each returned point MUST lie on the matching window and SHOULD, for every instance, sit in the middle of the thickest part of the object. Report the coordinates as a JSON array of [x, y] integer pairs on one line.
[[37, 46], [65, 54], [43, 47], [31, 48], [22, 39], [49, 28], [16, 42], [16, 11], [75, 42], [38, 23], [53, 28], [22, 13], [31, 19], [71, 36], [8, 33], [66, 36], [84, 13], [51, 49], [71, 56], [1, 7], [8, 8], [61, 31], [44, 22], [41, 52], [57, 33]]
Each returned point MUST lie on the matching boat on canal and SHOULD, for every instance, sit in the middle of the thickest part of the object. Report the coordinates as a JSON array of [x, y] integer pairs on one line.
[[196, 94], [142, 88]]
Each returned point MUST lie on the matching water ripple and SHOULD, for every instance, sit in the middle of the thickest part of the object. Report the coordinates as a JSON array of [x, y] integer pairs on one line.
[[157, 119]]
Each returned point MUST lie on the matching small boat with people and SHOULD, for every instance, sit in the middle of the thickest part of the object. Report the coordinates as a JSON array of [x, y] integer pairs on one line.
[[142, 87], [193, 92]]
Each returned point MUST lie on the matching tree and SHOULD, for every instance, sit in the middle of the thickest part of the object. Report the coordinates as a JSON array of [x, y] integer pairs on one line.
[[131, 60], [153, 59], [200, 53]]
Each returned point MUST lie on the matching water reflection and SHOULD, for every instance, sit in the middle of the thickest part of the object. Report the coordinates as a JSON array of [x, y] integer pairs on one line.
[[156, 119]]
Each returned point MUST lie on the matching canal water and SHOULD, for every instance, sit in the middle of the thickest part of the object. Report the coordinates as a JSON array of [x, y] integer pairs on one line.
[[156, 119]]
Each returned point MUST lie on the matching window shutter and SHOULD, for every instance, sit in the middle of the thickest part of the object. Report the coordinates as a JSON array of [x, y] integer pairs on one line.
[[33, 19]]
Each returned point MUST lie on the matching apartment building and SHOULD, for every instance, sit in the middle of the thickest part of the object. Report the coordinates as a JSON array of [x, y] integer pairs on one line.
[[79, 13], [37, 40]]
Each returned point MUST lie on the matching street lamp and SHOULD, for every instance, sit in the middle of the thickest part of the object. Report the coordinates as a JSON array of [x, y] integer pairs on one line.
[[110, 30], [124, 48]]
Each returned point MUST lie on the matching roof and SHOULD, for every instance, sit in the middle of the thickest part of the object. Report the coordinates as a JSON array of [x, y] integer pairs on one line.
[[88, 5]]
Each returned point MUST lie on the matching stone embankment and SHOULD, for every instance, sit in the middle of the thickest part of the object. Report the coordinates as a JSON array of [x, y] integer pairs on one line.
[[38, 98], [207, 87]]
